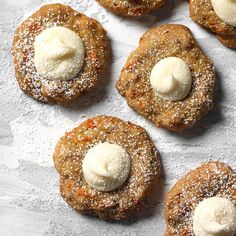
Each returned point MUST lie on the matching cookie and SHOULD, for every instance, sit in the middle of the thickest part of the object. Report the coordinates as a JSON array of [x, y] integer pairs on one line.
[[213, 182], [59, 59], [228, 41], [131, 7], [81, 180], [203, 13], [157, 45]]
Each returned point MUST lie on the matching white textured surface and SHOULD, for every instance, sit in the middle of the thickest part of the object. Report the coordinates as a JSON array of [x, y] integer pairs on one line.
[[106, 166], [30, 203], [58, 53]]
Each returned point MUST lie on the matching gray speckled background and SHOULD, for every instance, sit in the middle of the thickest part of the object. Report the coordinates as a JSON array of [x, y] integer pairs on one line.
[[30, 204]]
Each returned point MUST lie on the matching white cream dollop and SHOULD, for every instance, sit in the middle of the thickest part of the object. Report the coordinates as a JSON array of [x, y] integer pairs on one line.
[[58, 53], [106, 166], [171, 78], [215, 216], [225, 10]]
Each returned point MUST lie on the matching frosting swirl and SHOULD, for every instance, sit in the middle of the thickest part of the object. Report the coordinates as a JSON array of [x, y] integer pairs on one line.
[[225, 10], [215, 216], [106, 166], [58, 53], [171, 78]]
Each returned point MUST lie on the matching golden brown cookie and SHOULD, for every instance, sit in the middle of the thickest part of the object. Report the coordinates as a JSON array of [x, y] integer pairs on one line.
[[119, 203], [131, 7], [228, 41], [202, 13], [134, 83], [96, 54], [212, 179]]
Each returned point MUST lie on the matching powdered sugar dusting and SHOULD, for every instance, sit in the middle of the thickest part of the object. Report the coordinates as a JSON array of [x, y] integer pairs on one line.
[[96, 54], [213, 179], [145, 167], [29, 130]]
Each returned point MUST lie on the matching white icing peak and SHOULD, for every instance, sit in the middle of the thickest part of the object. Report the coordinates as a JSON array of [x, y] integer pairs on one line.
[[167, 84], [215, 216], [58, 53], [171, 78], [225, 10], [106, 166]]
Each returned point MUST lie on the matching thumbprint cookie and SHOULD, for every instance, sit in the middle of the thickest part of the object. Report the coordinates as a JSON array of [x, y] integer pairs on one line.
[[107, 167], [168, 79], [131, 7], [203, 203], [59, 54], [219, 16]]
